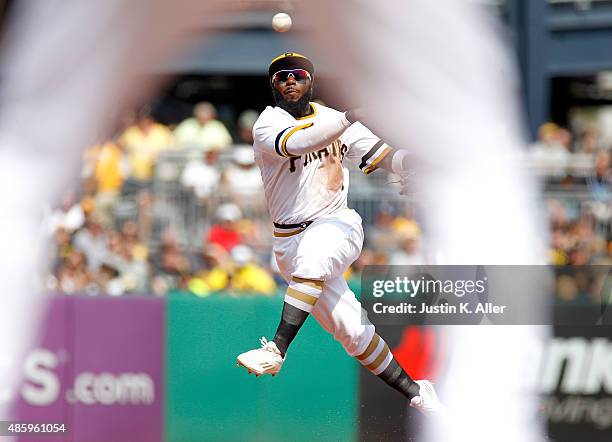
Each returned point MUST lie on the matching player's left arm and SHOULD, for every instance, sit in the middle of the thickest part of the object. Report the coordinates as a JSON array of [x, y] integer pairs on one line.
[[370, 152]]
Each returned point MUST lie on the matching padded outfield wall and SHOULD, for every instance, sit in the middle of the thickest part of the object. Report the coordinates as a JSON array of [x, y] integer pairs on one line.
[[138, 368], [209, 398]]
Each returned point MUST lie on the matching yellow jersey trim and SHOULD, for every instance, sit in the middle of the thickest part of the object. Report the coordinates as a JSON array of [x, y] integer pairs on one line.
[[374, 165], [314, 112], [286, 137]]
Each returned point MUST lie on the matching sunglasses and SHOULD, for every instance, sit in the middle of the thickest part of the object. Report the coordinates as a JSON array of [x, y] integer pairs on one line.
[[299, 75]]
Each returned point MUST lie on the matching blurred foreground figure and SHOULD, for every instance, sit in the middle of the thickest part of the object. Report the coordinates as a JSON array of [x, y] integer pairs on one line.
[[67, 68], [440, 84]]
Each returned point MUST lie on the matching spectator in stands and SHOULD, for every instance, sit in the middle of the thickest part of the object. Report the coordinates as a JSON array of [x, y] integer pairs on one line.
[[405, 222], [225, 233], [131, 240], [68, 217], [63, 247], [242, 178], [578, 241], [201, 175], [111, 169], [161, 285], [584, 228], [145, 203], [203, 131], [381, 235], [580, 256], [107, 278], [170, 263], [410, 252], [248, 276], [586, 147], [255, 231], [600, 186], [125, 257], [109, 281], [564, 239], [57, 255], [565, 139], [589, 143], [550, 153], [214, 274], [246, 121], [558, 254], [144, 141], [92, 241], [73, 275], [602, 178], [171, 259], [557, 214], [561, 244]]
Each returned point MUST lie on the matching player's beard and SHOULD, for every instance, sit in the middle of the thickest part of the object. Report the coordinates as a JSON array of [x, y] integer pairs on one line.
[[297, 108]]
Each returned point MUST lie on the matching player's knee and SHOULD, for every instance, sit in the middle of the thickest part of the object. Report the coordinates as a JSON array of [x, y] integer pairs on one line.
[[355, 339], [310, 268]]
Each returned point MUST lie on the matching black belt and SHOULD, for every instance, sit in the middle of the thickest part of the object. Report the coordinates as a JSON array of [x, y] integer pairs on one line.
[[302, 225]]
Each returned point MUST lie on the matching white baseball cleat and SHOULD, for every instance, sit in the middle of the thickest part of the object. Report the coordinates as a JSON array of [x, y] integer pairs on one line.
[[427, 401], [264, 360]]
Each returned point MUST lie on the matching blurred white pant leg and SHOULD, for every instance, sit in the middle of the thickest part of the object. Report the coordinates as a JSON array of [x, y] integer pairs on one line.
[[441, 85], [67, 67], [390, 15]]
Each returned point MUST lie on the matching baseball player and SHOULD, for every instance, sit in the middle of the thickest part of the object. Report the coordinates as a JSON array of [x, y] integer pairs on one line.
[[300, 147]]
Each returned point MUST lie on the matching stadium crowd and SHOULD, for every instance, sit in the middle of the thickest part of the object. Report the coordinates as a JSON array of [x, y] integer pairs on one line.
[[107, 236], [579, 234]]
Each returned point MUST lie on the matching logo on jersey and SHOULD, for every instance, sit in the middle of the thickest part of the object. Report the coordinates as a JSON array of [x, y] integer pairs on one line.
[[335, 149]]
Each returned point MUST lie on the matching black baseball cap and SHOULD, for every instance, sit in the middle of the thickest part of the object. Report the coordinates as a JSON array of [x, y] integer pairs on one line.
[[290, 60]]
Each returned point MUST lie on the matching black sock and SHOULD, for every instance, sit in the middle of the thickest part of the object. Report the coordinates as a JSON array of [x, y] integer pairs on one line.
[[291, 321], [397, 378]]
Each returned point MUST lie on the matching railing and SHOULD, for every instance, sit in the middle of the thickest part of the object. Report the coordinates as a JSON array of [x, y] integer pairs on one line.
[[190, 218]]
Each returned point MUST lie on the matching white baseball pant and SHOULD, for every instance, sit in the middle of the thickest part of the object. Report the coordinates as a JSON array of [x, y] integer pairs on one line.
[[323, 252]]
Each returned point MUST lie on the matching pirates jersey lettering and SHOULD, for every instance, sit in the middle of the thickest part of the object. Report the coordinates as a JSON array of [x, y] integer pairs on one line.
[[298, 188]]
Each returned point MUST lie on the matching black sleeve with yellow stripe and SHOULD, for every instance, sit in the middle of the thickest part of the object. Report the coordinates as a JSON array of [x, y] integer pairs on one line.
[[371, 160]]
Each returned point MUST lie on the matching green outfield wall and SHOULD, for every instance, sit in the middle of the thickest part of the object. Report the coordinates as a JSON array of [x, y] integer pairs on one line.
[[209, 398]]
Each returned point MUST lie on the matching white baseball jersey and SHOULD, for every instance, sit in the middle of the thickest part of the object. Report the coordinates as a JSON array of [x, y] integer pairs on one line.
[[306, 187]]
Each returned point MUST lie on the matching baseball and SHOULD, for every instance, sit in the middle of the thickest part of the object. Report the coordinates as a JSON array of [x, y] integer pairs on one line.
[[281, 22]]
